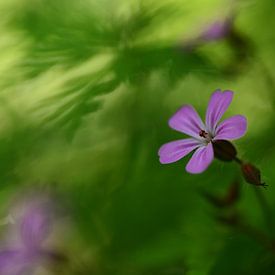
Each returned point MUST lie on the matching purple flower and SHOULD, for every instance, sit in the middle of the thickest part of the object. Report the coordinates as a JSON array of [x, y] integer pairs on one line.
[[23, 256], [217, 30], [187, 121]]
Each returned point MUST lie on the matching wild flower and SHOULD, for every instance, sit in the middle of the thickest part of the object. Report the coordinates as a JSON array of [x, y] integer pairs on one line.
[[25, 254], [203, 135], [217, 30]]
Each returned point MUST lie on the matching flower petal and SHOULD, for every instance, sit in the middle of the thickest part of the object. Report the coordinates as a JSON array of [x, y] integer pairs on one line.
[[36, 224], [201, 159], [217, 30], [175, 150], [217, 106], [12, 261], [7, 257], [187, 121], [231, 128]]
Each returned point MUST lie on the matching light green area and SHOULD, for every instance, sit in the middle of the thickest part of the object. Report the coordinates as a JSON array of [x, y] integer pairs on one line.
[[86, 90]]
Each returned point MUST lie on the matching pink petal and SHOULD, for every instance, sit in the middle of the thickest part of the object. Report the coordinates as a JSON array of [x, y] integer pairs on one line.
[[201, 159], [12, 262], [36, 225], [175, 150], [217, 106], [231, 128], [8, 258], [217, 30], [187, 121]]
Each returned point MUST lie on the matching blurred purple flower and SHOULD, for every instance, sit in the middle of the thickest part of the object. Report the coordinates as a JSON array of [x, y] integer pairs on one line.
[[187, 121], [217, 30], [27, 253]]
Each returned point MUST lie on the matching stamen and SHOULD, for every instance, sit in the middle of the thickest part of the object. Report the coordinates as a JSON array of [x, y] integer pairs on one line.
[[203, 134]]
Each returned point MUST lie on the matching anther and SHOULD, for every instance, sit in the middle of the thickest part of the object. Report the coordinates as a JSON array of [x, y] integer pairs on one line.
[[202, 133]]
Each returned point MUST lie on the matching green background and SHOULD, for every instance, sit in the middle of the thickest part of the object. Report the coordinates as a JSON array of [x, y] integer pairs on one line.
[[86, 90]]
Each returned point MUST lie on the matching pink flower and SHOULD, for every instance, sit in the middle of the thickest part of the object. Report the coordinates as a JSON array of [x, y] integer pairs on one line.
[[187, 121], [23, 256], [217, 30]]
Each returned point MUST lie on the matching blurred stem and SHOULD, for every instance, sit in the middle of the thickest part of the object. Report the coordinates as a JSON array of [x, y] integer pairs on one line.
[[267, 212], [237, 222], [270, 81], [257, 235]]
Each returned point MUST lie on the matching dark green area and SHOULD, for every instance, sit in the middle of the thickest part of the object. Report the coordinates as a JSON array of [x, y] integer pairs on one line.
[[87, 88]]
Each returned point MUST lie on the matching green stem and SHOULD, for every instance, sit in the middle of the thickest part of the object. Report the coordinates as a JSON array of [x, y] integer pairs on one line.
[[266, 210]]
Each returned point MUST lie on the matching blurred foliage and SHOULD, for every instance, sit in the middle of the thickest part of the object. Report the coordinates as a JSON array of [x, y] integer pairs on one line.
[[87, 88]]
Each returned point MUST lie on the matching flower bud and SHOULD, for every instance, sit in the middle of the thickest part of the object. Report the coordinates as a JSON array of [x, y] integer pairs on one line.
[[224, 150], [252, 174]]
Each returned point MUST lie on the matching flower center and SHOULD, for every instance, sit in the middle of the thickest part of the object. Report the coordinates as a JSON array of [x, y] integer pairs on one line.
[[205, 135]]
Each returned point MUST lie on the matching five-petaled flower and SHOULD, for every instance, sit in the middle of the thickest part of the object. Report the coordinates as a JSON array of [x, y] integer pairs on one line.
[[187, 121], [27, 253]]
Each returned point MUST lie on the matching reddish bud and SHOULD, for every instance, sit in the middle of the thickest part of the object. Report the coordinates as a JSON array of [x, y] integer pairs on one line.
[[252, 174], [224, 150]]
